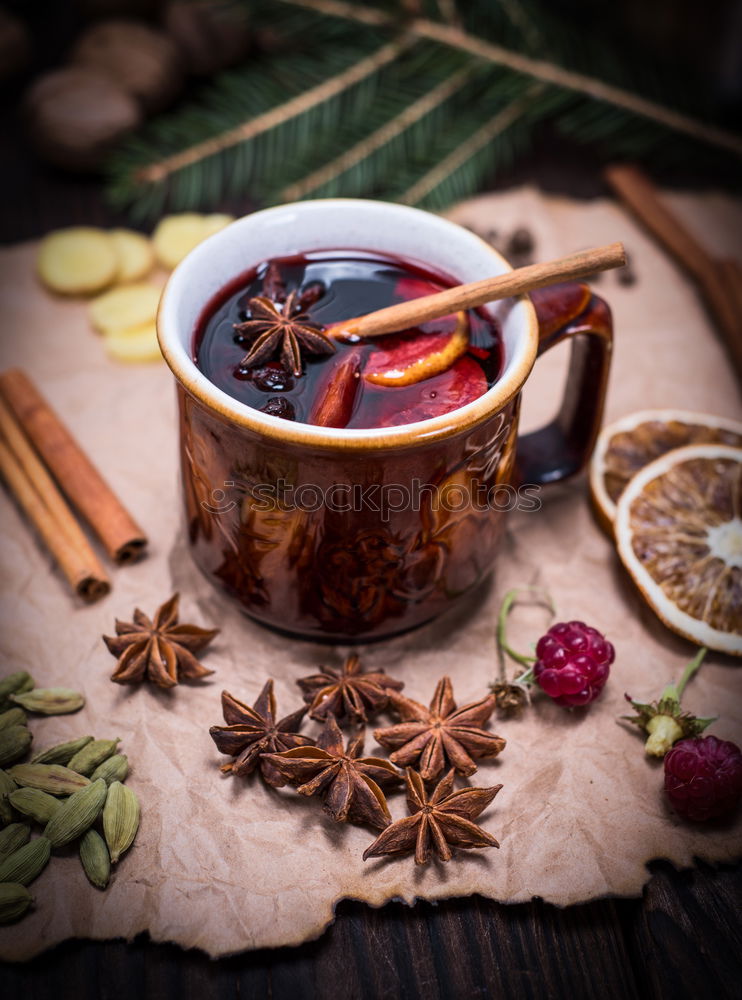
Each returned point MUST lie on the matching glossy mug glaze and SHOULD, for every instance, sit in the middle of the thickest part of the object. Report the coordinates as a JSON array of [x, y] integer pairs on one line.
[[341, 534]]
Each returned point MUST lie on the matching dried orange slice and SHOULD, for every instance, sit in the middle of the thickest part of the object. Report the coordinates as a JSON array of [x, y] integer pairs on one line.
[[626, 446], [410, 359], [678, 530]]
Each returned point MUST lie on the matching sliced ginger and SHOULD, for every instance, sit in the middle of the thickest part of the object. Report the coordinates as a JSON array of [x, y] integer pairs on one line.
[[125, 307], [77, 261], [213, 223], [176, 235], [135, 255], [136, 344]]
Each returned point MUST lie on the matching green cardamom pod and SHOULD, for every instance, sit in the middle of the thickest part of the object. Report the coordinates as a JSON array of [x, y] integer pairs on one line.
[[38, 806], [62, 753], [86, 760], [96, 861], [115, 768], [13, 683], [7, 785], [77, 814], [13, 717], [27, 862], [49, 701], [120, 819], [52, 778], [13, 837], [15, 899], [27, 684], [14, 742]]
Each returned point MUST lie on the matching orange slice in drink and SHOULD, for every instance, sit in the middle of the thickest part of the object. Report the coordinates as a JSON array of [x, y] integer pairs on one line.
[[408, 358]]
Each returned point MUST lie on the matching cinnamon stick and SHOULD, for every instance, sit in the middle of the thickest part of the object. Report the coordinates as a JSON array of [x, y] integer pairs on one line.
[[638, 192], [409, 314], [83, 575], [91, 580], [76, 475]]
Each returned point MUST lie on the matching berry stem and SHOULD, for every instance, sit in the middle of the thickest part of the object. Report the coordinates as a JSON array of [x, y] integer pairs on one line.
[[511, 597], [692, 667], [525, 678]]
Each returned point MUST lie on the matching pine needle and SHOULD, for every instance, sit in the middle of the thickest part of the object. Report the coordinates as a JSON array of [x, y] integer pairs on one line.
[[381, 137], [481, 138]]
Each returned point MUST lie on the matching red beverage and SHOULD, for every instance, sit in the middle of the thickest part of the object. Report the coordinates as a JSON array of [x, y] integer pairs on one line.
[[380, 382]]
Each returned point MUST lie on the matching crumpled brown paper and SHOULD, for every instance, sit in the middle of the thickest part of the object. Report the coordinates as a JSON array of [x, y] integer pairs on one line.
[[225, 865]]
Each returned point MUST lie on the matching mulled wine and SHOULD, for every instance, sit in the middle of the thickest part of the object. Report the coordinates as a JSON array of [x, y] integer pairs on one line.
[[263, 340]]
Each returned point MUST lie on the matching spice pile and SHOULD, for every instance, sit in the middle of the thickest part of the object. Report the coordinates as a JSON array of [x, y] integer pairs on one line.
[[353, 788], [73, 792]]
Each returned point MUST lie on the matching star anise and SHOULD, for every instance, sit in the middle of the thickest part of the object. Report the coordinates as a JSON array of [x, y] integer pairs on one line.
[[285, 325], [351, 694], [160, 651], [252, 733], [437, 822], [348, 783], [429, 738]]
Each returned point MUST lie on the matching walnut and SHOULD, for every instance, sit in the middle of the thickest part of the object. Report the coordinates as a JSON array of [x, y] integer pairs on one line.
[[141, 60], [211, 34], [75, 116]]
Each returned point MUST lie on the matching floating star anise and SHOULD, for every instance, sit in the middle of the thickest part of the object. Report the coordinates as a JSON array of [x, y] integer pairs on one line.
[[252, 732], [160, 651], [351, 694], [437, 822], [286, 325], [429, 738], [348, 783]]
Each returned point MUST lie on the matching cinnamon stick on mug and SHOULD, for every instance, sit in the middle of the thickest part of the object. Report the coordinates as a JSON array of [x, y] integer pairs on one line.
[[79, 479]]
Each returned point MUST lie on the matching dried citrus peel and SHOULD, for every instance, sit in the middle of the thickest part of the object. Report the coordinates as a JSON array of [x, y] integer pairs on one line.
[[679, 534], [629, 443]]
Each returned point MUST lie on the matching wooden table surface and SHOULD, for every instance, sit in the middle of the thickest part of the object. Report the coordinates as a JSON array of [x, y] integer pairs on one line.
[[682, 939]]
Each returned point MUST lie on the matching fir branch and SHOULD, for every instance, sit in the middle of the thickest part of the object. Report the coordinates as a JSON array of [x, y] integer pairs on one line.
[[348, 11], [299, 105], [381, 137], [540, 69], [481, 138], [378, 100]]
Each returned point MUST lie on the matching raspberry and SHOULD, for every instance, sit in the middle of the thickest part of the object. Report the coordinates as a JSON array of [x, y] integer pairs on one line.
[[573, 662], [703, 777]]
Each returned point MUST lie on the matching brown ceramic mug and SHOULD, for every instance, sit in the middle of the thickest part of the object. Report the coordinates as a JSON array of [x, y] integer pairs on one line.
[[352, 535]]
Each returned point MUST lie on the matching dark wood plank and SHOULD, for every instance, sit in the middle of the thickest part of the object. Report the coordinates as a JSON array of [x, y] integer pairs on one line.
[[686, 938], [683, 940]]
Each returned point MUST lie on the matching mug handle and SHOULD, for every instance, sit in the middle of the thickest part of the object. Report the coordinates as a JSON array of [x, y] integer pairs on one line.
[[562, 448]]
